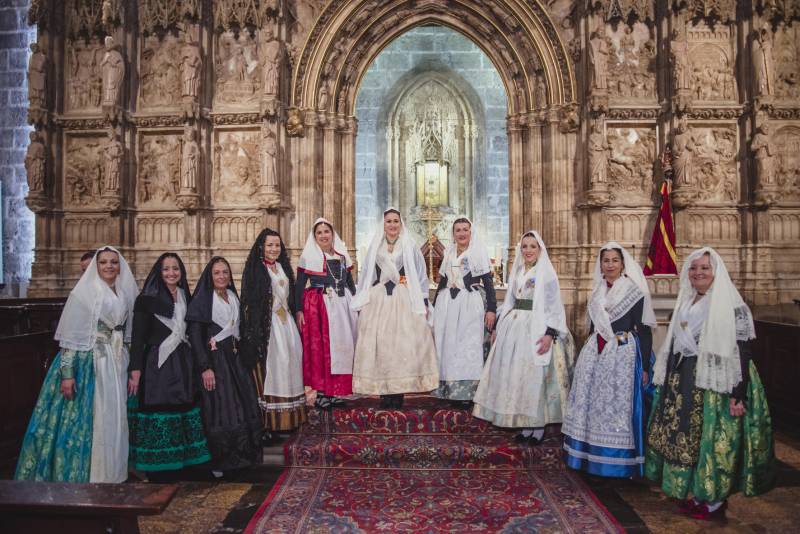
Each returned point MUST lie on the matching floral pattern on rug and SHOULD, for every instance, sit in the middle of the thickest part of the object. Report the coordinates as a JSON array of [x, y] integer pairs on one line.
[[378, 500]]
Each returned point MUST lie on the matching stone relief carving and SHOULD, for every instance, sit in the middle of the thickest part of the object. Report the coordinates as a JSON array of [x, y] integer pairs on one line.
[[269, 155], [84, 79], [598, 59], [631, 70], [83, 171], [719, 10], [113, 69], [35, 164], [787, 61], [294, 123], [712, 77], [711, 174], [239, 176], [682, 151], [785, 10], [159, 170], [238, 73], [37, 86], [623, 9], [230, 14], [787, 167], [632, 153], [85, 17], [159, 72], [598, 193], [763, 64]]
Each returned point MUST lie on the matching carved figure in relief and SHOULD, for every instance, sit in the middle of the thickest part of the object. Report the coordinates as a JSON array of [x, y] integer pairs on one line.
[[787, 61], [764, 82], [83, 170], [161, 72], [682, 150], [190, 160], [238, 72], [714, 164], [630, 164], [631, 66], [85, 79], [191, 64], [598, 155], [113, 153], [711, 77], [113, 67], [35, 163], [598, 58], [37, 77], [239, 175], [679, 55], [159, 172], [271, 53], [324, 97], [269, 153], [761, 147], [217, 166]]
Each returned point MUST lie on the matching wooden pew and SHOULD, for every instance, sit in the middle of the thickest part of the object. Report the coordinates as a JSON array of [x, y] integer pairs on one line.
[[30, 507], [23, 364]]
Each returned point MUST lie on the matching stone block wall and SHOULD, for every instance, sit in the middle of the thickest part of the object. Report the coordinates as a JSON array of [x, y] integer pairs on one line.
[[18, 220], [436, 49]]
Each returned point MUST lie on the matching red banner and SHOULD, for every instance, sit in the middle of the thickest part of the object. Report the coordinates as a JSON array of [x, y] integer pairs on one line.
[[661, 258]]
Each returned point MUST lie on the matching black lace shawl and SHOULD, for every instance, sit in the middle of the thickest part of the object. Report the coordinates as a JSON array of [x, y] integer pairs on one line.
[[155, 297], [255, 317], [201, 307]]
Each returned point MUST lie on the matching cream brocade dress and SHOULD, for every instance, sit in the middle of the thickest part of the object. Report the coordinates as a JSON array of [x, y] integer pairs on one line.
[[395, 352]]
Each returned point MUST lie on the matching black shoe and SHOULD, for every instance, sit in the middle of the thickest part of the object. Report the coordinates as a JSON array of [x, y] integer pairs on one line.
[[323, 402], [521, 438], [533, 440], [462, 404], [337, 402], [397, 401], [386, 402]]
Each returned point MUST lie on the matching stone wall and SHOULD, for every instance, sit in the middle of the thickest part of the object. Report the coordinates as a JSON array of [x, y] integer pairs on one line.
[[18, 230], [423, 50]]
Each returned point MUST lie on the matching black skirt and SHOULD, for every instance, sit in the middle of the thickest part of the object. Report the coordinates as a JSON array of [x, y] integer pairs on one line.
[[231, 414], [173, 386]]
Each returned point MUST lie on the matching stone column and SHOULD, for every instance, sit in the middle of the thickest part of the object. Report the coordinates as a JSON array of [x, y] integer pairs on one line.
[[331, 199], [348, 182], [516, 176]]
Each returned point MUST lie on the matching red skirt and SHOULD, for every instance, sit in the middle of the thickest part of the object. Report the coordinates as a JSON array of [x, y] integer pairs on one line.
[[317, 349]]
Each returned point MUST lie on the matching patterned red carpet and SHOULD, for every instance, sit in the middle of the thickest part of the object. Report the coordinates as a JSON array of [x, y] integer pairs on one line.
[[425, 468]]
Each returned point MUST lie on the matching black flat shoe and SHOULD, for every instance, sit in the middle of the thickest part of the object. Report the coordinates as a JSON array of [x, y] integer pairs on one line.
[[337, 402], [520, 438], [386, 402], [533, 440], [323, 403], [397, 401]]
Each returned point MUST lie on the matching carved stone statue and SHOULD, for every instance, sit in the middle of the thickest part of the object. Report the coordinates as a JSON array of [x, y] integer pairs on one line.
[[35, 163], [37, 76], [598, 156], [269, 173], [113, 153], [679, 54], [113, 67], [294, 123], [191, 64], [763, 64], [190, 160], [271, 53], [598, 59], [324, 96], [682, 150], [763, 154]]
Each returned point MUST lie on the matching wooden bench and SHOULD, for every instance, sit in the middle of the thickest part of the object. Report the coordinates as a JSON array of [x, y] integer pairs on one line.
[[31, 507]]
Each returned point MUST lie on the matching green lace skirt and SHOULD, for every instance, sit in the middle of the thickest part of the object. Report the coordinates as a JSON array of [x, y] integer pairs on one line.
[[735, 454], [164, 441]]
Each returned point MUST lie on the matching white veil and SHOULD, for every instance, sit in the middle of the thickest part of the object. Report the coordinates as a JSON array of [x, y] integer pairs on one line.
[[417, 283], [476, 253], [729, 320], [77, 327], [312, 260]]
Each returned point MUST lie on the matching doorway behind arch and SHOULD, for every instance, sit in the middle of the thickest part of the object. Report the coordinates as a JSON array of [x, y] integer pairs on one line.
[[431, 140]]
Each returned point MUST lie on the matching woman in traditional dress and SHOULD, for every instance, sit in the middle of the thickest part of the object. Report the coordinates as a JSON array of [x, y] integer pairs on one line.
[[229, 402], [526, 379], [710, 432], [604, 419], [270, 341], [327, 325], [394, 352], [79, 428], [166, 428], [460, 315]]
